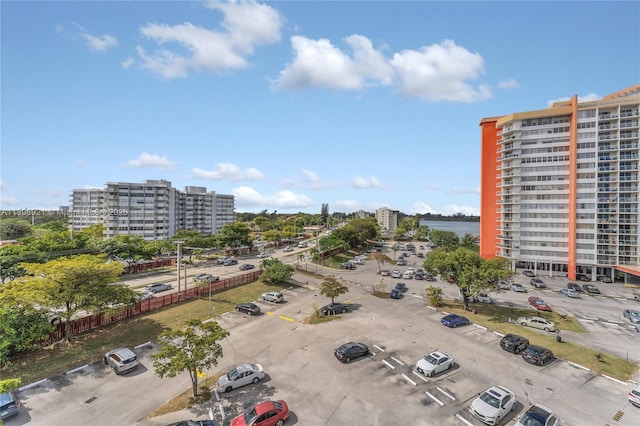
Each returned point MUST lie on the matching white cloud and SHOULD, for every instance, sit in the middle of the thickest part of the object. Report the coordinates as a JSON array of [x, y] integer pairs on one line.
[[247, 197], [246, 24], [347, 206], [319, 63], [151, 160], [439, 72], [432, 186], [363, 183], [452, 209], [99, 43], [228, 171], [127, 63], [422, 208], [310, 176], [508, 84], [586, 98], [1, 184]]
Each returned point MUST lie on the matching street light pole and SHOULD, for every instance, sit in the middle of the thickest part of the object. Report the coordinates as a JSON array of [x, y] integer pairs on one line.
[[179, 260]]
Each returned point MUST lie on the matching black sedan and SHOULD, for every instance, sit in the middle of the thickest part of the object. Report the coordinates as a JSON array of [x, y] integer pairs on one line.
[[514, 343], [246, 266], [537, 355], [334, 309], [351, 350], [248, 308], [194, 423]]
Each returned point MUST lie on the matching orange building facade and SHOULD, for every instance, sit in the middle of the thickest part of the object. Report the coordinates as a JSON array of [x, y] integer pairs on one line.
[[559, 188]]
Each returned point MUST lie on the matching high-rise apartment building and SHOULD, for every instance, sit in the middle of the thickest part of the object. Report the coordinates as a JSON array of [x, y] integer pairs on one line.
[[387, 219], [559, 187], [152, 209]]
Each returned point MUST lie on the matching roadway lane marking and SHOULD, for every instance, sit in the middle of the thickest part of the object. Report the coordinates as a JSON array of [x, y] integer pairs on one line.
[[282, 317], [440, 403]]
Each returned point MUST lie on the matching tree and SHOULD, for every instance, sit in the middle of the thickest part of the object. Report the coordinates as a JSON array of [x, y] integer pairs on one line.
[[332, 288], [446, 240], [193, 349], [271, 235], [380, 258], [129, 248], [324, 213], [13, 229], [274, 271], [235, 234], [422, 232], [70, 284], [469, 242], [21, 330], [435, 295], [8, 385], [467, 270]]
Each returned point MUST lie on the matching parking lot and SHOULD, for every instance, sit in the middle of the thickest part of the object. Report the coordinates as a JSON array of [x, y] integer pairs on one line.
[[381, 389], [384, 388]]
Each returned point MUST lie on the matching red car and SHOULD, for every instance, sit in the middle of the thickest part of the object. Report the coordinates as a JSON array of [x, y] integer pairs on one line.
[[539, 304], [268, 413]]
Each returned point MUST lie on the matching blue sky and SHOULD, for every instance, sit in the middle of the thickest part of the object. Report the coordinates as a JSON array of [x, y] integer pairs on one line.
[[289, 105]]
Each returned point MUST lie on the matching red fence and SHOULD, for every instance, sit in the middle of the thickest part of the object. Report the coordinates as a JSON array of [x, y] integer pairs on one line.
[[91, 322], [146, 266]]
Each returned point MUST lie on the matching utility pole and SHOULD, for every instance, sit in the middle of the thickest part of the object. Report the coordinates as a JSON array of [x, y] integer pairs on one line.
[[179, 260]]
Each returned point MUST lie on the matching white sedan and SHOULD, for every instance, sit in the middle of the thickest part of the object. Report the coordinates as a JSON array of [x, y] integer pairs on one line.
[[240, 376], [493, 405], [434, 363], [395, 274]]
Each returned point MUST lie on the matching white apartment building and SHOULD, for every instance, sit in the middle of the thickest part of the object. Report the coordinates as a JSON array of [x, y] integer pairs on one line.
[[387, 219], [559, 187], [152, 209]]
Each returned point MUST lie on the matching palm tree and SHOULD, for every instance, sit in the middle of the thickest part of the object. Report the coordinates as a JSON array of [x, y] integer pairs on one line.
[[435, 295]]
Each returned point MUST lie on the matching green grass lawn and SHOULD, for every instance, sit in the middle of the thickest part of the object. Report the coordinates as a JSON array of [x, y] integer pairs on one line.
[[92, 346]]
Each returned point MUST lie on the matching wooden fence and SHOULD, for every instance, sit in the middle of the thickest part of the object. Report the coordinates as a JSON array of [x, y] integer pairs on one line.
[[91, 322]]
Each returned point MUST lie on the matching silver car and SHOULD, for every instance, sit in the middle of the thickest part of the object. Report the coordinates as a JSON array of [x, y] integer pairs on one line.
[[632, 315], [121, 360], [240, 376], [158, 287], [272, 296]]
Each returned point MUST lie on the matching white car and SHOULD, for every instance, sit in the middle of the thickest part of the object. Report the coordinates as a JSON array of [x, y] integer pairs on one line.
[[538, 415], [537, 322], [483, 298], [434, 363], [493, 405], [407, 275], [634, 396], [410, 270], [240, 376], [518, 288], [395, 274]]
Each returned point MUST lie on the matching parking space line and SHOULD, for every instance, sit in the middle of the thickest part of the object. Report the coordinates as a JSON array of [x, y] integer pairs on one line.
[[615, 380], [378, 348], [409, 380], [282, 317], [347, 301], [578, 366], [463, 420], [423, 378], [397, 360], [391, 366], [417, 296], [434, 398], [498, 333], [269, 313], [480, 326], [446, 393]]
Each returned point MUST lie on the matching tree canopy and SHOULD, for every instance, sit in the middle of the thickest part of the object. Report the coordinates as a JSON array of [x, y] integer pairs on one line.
[[446, 240], [332, 288], [274, 271], [69, 285], [192, 349], [471, 273]]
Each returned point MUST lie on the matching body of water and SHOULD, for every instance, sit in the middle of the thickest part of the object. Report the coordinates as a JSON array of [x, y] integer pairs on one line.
[[460, 228]]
